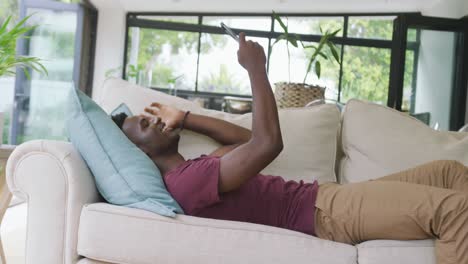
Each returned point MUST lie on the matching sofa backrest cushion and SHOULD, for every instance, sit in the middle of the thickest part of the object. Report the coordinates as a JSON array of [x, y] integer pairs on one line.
[[309, 134], [378, 141], [124, 174]]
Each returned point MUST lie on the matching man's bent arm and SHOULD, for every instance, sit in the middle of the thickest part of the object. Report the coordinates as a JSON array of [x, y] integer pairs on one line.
[[222, 131], [266, 143], [265, 123]]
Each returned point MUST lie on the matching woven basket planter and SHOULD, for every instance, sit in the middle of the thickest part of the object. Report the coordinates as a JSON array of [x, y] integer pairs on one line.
[[297, 94]]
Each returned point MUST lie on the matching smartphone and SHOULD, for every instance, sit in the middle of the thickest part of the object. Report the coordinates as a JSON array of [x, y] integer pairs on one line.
[[230, 31]]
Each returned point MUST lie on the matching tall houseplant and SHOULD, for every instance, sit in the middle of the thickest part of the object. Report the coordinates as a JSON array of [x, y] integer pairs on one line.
[[9, 60], [290, 94]]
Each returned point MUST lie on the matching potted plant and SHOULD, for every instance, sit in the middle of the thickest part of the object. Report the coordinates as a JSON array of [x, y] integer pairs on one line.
[[9, 60], [290, 94]]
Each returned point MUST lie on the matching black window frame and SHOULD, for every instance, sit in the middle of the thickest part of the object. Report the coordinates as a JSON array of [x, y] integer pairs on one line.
[[400, 45], [132, 20]]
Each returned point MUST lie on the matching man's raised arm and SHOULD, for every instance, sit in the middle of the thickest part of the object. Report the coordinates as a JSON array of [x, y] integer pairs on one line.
[[266, 142]]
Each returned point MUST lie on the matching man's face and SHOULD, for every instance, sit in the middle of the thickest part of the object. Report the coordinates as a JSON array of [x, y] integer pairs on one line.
[[148, 135]]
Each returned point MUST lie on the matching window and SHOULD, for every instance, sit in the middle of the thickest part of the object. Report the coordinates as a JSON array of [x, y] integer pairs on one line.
[[196, 50], [35, 107], [7, 83], [219, 71], [366, 74], [157, 57]]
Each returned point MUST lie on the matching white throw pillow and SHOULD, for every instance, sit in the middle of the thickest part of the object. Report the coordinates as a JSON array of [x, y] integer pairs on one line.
[[378, 141], [309, 134]]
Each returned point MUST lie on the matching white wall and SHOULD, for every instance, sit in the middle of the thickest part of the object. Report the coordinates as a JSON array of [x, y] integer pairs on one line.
[[447, 8], [110, 44], [435, 76]]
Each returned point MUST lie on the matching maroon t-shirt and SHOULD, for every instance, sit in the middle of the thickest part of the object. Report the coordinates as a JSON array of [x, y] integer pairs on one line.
[[263, 199]]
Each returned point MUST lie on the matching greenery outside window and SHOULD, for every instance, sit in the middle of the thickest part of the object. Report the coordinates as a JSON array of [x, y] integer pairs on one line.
[[311, 25], [194, 48], [371, 27]]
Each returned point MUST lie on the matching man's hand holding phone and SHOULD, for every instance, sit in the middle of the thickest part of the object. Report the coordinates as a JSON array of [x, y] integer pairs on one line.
[[251, 55]]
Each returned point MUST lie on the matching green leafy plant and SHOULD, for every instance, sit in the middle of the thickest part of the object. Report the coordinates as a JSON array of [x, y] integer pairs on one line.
[[113, 72], [324, 42], [173, 80], [289, 38], [319, 49], [9, 60], [132, 70]]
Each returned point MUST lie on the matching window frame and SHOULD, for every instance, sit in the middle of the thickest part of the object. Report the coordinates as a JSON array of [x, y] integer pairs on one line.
[[419, 22], [132, 20]]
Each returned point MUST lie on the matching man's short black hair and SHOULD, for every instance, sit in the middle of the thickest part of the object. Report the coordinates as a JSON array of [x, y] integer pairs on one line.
[[119, 119]]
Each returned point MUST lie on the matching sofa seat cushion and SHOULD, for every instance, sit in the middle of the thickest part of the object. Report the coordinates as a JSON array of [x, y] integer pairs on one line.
[[125, 235], [401, 252]]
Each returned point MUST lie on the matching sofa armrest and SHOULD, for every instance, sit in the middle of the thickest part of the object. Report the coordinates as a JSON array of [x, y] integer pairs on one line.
[[55, 182]]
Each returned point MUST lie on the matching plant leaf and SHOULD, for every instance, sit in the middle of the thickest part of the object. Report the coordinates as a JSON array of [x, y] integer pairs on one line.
[[5, 24], [335, 32], [9, 61], [293, 40], [278, 18], [310, 47], [317, 68], [280, 37], [309, 66], [333, 51], [302, 44], [323, 55], [26, 73]]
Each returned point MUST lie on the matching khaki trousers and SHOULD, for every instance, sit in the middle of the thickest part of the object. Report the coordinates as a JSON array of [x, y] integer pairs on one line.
[[428, 201]]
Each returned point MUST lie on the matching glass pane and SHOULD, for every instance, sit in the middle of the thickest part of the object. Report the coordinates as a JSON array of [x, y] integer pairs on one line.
[[408, 85], [432, 83], [252, 23], [299, 60], [412, 34], [182, 19], [8, 8], [43, 104], [311, 25], [219, 70], [7, 87], [7, 84], [158, 57], [366, 74], [371, 27]]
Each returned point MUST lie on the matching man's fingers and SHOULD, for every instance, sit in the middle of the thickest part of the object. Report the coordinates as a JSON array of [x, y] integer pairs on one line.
[[156, 104], [149, 117], [241, 38], [168, 129], [152, 111]]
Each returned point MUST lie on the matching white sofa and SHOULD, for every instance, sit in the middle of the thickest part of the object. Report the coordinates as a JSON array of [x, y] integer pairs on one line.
[[68, 222]]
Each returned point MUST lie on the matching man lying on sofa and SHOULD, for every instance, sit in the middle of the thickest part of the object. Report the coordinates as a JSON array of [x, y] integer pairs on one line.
[[428, 201]]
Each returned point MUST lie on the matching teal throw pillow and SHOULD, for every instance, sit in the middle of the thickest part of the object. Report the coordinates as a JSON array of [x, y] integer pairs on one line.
[[124, 174]]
